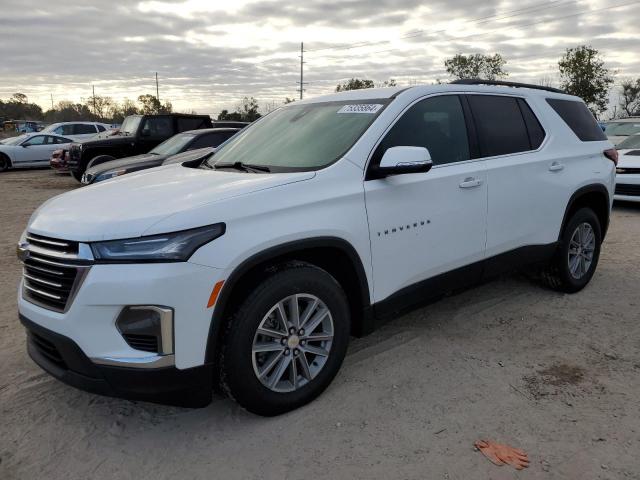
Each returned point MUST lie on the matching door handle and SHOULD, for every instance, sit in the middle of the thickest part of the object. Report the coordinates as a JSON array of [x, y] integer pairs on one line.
[[470, 182], [556, 167]]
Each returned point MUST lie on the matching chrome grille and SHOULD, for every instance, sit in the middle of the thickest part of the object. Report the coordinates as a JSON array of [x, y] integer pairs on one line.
[[63, 246], [628, 190], [53, 270]]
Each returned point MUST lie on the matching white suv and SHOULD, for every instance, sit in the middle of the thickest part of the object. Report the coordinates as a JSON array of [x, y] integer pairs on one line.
[[77, 130], [324, 217]]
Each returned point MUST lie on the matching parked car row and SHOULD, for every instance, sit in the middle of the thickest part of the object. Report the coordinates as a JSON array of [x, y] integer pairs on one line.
[[77, 147]]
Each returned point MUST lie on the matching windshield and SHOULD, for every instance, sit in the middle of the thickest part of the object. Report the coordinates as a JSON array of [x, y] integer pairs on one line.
[[301, 137], [130, 125], [15, 140], [622, 129], [173, 145], [633, 141]]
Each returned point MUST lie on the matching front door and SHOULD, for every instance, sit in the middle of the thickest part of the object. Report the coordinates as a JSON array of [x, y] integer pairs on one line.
[[35, 150], [425, 224]]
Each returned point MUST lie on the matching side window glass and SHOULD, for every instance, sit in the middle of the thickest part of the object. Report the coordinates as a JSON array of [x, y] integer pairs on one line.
[[437, 124], [84, 129], [536, 132], [37, 140], [100, 128], [67, 129], [500, 125], [158, 127], [209, 140], [578, 117]]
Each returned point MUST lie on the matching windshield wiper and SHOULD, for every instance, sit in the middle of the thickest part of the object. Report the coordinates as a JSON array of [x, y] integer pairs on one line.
[[245, 167]]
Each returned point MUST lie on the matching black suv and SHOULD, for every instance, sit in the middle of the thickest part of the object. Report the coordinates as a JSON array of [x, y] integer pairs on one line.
[[138, 134]]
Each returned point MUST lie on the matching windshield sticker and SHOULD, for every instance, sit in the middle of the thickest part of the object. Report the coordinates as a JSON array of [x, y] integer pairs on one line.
[[361, 108]]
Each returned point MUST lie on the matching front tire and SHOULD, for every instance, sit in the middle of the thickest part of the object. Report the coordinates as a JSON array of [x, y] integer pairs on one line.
[[286, 341], [98, 160], [577, 257]]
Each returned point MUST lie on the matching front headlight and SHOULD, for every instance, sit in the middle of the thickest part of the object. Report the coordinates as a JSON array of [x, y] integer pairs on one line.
[[110, 174], [168, 247]]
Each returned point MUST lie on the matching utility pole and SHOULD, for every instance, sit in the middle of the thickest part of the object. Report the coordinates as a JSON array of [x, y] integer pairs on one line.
[[52, 101], [93, 88], [302, 62], [157, 91]]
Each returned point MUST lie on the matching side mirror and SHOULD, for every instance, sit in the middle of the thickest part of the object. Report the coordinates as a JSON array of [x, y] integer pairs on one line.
[[401, 160], [24, 145], [145, 133]]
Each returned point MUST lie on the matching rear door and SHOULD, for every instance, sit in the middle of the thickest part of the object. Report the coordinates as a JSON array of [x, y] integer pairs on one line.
[[526, 187], [425, 224]]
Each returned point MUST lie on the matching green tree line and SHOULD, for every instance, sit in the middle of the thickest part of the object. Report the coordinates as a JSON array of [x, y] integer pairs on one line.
[[98, 108]]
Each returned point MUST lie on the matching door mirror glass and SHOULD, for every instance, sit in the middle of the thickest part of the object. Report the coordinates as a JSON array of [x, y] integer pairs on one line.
[[401, 160]]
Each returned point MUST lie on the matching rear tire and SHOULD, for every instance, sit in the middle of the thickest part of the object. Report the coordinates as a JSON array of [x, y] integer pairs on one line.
[[273, 373], [5, 164], [577, 257]]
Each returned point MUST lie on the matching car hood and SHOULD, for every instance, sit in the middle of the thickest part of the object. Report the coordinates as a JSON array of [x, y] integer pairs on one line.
[[189, 155], [616, 139], [127, 162], [129, 206], [629, 158], [101, 142]]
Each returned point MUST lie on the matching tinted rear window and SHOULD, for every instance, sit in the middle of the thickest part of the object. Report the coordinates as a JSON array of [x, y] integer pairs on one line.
[[578, 117], [536, 132], [83, 129], [501, 127]]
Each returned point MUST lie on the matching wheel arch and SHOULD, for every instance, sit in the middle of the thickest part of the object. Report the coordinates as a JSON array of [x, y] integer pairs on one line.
[[594, 196], [335, 255]]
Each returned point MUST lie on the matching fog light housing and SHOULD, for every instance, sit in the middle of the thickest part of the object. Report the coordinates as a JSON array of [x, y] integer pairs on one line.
[[147, 327]]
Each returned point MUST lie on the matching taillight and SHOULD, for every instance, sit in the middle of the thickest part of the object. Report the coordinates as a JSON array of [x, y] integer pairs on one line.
[[612, 154]]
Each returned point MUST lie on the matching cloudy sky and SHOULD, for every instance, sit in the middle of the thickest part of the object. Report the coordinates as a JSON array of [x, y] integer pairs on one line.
[[210, 53]]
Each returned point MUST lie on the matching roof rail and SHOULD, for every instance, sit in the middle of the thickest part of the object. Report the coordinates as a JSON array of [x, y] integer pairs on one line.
[[477, 81]]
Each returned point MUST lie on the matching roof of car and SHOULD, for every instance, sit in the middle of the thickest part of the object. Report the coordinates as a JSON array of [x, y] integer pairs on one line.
[[382, 93]]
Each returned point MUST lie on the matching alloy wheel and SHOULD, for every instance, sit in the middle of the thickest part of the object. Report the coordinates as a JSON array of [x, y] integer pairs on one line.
[[581, 248], [292, 343]]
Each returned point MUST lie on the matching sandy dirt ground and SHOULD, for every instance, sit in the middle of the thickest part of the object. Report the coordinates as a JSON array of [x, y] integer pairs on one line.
[[556, 375]]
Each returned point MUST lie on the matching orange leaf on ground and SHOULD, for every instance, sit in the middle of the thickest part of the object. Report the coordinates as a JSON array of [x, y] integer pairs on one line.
[[503, 454]]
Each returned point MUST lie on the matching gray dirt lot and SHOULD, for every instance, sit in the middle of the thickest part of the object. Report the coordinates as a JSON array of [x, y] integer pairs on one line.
[[555, 375]]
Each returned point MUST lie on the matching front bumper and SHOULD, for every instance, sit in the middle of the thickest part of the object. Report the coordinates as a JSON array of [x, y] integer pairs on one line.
[[627, 188], [90, 318], [62, 358]]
